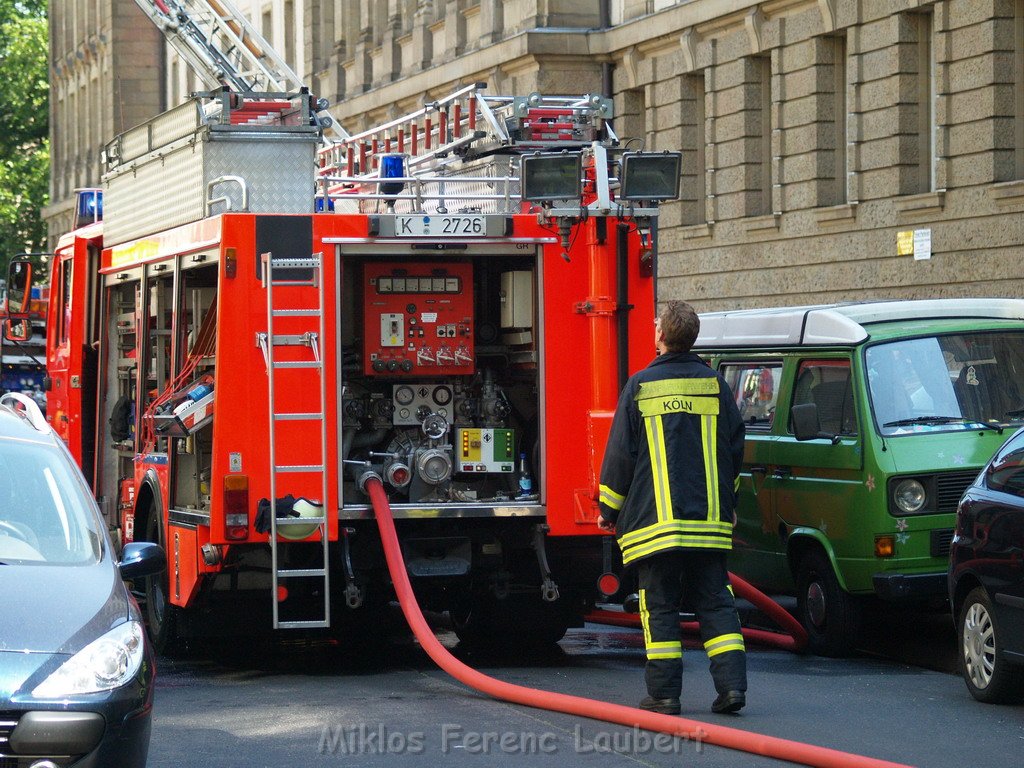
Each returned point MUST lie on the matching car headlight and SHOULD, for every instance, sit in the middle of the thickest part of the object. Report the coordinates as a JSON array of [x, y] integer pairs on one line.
[[104, 664], [909, 496]]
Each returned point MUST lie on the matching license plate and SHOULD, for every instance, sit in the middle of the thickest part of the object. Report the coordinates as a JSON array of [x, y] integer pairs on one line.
[[440, 225]]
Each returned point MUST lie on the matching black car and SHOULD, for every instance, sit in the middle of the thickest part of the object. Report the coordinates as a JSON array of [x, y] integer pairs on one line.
[[76, 669], [986, 577]]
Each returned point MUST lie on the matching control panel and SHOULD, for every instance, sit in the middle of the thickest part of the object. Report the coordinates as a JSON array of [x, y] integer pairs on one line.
[[418, 319], [485, 450], [414, 402]]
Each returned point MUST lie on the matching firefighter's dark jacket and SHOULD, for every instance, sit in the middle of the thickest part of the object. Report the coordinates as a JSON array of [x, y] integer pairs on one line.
[[671, 465]]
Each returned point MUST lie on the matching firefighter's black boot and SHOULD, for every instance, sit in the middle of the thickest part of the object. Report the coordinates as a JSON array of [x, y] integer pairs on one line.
[[729, 702], [664, 706]]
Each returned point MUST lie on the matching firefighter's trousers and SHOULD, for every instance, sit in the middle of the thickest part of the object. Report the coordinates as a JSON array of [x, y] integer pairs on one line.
[[701, 575]]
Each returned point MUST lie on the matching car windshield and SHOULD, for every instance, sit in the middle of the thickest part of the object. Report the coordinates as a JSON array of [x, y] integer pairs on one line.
[[45, 513], [949, 382]]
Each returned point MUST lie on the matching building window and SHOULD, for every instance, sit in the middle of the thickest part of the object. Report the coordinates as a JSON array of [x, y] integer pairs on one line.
[[840, 127], [1018, 89], [926, 101], [693, 189], [763, 78]]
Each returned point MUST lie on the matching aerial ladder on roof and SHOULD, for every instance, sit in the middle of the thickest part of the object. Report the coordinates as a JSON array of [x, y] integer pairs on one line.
[[461, 152], [223, 48]]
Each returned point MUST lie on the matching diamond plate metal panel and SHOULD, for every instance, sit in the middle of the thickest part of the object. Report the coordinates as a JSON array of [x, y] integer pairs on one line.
[[165, 191]]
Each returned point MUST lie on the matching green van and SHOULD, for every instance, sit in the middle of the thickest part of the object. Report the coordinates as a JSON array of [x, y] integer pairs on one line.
[[865, 424]]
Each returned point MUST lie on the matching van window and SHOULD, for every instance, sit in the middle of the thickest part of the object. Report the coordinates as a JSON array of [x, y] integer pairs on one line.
[[946, 382], [755, 386], [826, 383]]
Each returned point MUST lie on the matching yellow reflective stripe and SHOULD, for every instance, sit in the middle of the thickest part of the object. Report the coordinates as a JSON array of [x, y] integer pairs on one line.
[[659, 468], [736, 484], [708, 432], [610, 498], [645, 616], [661, 406], [729, 587], [675, 526], [667, 649], [674, 387], [724, 644], [674, 542]]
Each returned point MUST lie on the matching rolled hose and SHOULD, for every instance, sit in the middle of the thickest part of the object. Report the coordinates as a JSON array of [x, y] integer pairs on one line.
[[795, 640], [732, 738]]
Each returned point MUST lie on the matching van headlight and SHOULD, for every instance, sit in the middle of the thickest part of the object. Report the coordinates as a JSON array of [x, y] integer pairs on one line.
[[910, 496], [104, 664]]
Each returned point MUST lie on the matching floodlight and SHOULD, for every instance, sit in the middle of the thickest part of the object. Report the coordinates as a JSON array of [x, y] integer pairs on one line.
[[650, 176], [549, 176]]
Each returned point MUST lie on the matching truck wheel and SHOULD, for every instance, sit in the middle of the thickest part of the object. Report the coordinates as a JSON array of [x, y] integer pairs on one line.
[[830, 615], [161, 616], [516, 621], [989, 676]]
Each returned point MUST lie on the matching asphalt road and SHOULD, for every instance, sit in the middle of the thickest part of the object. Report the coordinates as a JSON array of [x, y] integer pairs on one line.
[[310, 705]]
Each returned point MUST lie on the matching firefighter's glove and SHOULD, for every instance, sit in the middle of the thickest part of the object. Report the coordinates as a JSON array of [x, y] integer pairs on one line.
[[285, 507]]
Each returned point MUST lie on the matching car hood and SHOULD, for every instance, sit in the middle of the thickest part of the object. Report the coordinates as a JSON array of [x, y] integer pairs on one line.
[[963, 450], [59, 608]]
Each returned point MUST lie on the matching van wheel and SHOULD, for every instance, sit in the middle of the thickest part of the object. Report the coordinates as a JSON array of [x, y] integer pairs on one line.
[[989, 676], [830, 615], [161, 617]]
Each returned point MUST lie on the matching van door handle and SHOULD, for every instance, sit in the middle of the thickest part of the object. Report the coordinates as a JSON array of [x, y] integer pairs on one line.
[[781, 473], [758, 468]]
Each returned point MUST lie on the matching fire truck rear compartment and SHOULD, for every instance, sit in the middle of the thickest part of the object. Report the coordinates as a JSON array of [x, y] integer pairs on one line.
[[440, 388]]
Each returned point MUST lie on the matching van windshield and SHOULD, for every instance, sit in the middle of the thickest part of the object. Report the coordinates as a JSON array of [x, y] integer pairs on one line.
[[949, 382]]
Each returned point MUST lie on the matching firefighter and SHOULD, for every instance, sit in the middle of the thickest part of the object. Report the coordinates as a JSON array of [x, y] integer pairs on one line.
[[668, 491]]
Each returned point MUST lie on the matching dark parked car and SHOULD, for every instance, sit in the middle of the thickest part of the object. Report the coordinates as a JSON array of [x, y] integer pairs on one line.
[[986, 577], [76, 669]]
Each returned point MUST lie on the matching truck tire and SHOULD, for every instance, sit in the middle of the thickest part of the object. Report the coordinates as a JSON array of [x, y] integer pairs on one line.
[[162, 618], [519, 620], [989, 676], [830, 615]]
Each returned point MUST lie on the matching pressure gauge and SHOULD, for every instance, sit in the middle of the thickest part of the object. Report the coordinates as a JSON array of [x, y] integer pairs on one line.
[[442, 395], [404, 395]]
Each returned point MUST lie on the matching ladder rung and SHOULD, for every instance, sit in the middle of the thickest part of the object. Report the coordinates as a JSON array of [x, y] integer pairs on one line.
[[306, 263], [300, 521], [298, 572], [300, 468], [297, 364], [298, 416], [296, 313], [302, 624]]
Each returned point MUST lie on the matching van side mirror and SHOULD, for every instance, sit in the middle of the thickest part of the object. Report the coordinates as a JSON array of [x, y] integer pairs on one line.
[[806, 425]]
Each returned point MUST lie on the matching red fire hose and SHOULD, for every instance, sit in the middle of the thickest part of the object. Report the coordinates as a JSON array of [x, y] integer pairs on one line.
[[732, 738], [795, 640]]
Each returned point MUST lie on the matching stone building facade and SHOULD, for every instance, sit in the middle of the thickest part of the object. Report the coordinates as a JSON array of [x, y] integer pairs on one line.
[[833, 149], [106, 73]]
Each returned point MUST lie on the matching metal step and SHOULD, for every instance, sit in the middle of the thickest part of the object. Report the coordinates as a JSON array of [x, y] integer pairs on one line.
[[299, 468], [319, 624], [296, 312], [299, 572], [300, 521], [300, 263], [298, 416], [297, 364]]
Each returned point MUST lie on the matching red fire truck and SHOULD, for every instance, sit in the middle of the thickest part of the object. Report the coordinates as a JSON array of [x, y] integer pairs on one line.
[[453, 299]]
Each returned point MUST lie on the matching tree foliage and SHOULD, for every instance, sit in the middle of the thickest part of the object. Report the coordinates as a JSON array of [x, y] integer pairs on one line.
[[24, 127]]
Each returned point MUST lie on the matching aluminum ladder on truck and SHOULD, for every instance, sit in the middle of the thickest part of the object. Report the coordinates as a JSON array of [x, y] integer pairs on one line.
[[311, 274], [223, 48]]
